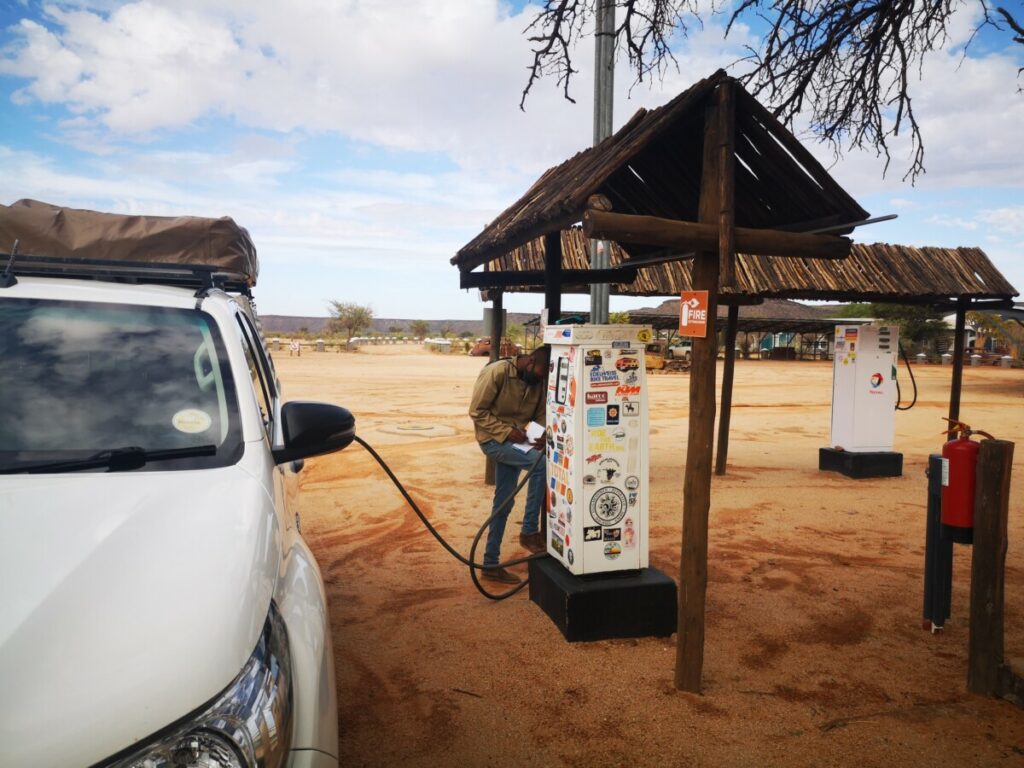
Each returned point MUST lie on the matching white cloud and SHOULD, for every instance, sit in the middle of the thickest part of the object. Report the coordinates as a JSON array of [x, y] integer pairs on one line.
[[444, 76], [1009, 220], [952, 221]]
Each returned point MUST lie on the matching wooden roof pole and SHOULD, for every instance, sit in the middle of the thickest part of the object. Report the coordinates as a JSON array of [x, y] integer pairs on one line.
[[958, 357], [693, 565], [726, 115], [497, 332], [727, 257], [727, 378], [553, 275]]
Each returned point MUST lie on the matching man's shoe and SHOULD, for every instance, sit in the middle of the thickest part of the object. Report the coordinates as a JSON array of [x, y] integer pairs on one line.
[[533, 542], [498, 574]]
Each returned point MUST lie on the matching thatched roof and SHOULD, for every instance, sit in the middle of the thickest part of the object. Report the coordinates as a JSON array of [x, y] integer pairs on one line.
[[876, 272], [652, 166]]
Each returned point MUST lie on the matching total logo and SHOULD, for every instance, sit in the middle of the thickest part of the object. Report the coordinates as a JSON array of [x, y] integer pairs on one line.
[[876, 380]]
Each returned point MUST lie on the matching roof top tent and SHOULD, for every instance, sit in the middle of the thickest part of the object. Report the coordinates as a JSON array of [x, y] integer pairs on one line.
[[179, 250]]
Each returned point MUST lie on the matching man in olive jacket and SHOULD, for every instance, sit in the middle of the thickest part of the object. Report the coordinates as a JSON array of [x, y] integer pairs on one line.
[[507, 396]]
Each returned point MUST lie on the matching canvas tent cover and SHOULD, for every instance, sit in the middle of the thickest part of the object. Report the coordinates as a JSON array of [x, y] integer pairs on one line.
[[51, 231]]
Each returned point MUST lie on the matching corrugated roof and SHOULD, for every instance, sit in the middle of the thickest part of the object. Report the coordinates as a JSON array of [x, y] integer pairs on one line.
[[652, 166], [876, 272]]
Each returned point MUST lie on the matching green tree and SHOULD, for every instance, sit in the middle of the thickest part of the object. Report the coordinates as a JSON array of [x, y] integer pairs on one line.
[[395, 329], [419, 328], [446, 330], [856, 309], [349, 318], [621, 318], [985, 325], [466, 335]]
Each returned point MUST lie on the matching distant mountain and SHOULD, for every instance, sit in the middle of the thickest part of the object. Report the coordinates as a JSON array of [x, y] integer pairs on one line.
[[282, 325]]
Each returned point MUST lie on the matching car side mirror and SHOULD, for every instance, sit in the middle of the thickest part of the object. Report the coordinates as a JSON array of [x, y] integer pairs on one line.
[[312, 429]]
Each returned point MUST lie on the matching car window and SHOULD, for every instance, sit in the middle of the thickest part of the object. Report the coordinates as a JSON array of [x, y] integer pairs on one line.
[[262, 383], [80, 377]]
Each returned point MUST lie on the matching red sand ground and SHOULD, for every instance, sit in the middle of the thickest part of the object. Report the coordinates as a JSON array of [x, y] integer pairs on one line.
[[814, 652]]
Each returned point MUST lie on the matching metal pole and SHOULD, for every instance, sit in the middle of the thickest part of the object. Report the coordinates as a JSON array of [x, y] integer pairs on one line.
[[604, 80]]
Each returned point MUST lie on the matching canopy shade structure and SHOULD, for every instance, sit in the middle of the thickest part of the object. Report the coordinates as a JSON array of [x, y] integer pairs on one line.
[[879, 272], [652, 166]]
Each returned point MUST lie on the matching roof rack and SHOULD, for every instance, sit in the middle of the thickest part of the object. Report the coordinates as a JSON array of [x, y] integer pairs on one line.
[[195, 276]]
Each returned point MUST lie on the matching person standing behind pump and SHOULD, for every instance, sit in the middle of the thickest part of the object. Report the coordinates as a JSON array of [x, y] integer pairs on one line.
[[507, 396]]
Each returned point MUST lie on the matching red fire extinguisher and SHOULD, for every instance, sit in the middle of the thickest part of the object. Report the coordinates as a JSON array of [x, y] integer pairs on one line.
[[959, 470]]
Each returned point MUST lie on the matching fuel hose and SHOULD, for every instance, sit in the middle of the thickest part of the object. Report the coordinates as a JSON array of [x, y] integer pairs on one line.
[[899, 395], [471, 560]]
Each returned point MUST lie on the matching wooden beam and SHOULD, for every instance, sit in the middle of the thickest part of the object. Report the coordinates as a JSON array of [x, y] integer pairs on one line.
[[537, 277], [958, 358], [693, 565], [703, 236], [727, 378], [553, 275], [988, 566], [726, 116]]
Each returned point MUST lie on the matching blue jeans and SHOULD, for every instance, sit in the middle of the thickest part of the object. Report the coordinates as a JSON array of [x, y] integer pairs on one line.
[[508, 463]]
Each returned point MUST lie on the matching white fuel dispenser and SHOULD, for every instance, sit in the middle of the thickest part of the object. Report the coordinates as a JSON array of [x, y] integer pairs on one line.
[[597, 447], [864, 387]]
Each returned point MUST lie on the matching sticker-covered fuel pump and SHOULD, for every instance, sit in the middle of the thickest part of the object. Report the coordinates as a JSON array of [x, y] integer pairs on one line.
[[597, 425]]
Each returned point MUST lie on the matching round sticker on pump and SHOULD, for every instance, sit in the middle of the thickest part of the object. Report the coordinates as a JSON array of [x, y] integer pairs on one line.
[[191, 421]]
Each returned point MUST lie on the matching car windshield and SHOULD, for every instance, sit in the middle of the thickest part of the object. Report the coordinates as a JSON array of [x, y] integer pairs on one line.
[[82, 378]]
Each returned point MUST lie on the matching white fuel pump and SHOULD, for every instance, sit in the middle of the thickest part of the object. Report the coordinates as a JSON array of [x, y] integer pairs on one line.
[[597, 425], [864, 387]]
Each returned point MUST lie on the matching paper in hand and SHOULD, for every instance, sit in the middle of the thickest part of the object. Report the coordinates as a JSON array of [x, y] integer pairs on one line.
[[533, 432]]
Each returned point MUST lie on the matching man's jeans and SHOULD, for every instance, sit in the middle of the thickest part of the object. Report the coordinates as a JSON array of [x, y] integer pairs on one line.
[[508, 463]]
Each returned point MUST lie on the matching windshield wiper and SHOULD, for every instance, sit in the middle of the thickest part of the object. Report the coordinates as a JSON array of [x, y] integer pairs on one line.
[[115, 460]]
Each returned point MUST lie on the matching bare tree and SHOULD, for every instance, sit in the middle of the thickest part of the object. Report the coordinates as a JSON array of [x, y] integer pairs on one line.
[[851, 63], [350, 318]]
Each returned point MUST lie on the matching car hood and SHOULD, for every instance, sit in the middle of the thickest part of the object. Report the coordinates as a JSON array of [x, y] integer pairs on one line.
[[127, 601]]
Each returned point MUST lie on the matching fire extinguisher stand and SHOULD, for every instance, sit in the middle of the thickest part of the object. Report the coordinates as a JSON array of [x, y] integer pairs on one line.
[[938, 554], [988, 672]]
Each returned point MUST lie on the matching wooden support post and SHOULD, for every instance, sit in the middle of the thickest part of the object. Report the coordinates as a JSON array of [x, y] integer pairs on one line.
[[988, 566], [727, 378], [726, 115], [553, 275], [693, 567], [958, 359], [497, 324], [497, 334]]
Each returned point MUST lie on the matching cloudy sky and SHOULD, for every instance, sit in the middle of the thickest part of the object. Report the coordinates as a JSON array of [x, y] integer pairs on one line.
[[363, 142]]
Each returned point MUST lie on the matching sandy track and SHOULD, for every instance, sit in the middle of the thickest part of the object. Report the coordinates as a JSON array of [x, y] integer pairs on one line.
[[814, 654]]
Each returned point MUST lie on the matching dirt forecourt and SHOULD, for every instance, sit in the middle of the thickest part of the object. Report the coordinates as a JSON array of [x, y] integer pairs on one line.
[[814, 651]]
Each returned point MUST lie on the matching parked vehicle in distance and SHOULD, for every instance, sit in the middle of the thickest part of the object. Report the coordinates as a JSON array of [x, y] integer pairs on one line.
[[681, 350], [482, 348], [161, 607], [654, 355]]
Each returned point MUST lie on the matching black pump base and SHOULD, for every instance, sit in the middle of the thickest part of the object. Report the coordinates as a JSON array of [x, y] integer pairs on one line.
[[619, 604], [861, 465]]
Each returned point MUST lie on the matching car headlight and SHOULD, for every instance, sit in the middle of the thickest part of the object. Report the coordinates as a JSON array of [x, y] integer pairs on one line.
[[247, 726]]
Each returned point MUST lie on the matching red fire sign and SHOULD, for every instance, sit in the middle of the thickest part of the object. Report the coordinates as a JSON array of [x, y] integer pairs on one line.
[[693, 314]]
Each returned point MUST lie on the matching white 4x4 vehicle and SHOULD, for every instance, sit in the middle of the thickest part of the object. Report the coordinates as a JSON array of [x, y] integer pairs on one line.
[[159, 605]]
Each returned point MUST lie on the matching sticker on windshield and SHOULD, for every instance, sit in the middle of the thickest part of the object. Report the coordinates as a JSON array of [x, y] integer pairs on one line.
[[191, 421]]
